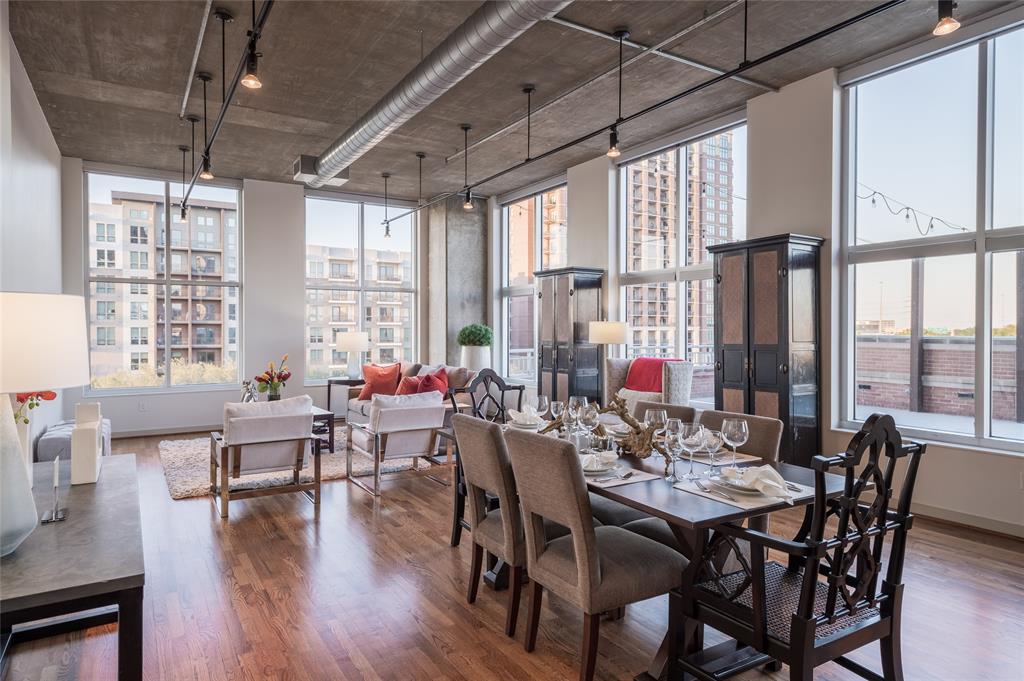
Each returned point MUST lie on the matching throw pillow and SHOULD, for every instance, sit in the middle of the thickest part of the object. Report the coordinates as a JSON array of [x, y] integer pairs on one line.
[[380, 380], [436, 381], [410, 385], [645, 374]]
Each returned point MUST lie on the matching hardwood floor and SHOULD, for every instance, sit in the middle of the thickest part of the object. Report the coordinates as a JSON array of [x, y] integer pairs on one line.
[[373, 591]]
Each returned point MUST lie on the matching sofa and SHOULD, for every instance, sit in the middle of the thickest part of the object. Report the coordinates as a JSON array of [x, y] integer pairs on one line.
[[358, 411]]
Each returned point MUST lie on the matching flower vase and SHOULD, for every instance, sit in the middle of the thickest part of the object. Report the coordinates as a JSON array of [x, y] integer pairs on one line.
[[273, 394], [17, 507]]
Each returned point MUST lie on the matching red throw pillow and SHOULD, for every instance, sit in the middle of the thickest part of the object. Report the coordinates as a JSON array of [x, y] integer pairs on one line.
[[436, 381], [645, 374], [410, 385], [380, 380]]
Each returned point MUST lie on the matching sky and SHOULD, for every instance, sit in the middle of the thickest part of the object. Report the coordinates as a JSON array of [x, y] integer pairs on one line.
[[336, 223], [928, 161]]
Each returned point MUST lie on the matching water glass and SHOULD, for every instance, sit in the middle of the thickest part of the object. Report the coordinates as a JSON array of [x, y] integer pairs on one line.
[[589, 417], [542, 405], [671, 431], [557, 409], [691, 439], [712, 445], [576, 403], [735, 433]]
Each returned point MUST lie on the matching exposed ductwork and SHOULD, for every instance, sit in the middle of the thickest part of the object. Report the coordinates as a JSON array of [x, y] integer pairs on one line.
[[485, 33]]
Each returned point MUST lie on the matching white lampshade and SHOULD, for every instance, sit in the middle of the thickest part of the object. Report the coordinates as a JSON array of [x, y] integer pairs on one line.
[[353, 341], [608, 333], [43, 342]]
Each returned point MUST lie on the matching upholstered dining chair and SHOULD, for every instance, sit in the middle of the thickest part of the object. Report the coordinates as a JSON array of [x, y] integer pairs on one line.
[[595, 568], [836, 593], [494, 518], [684, 413], [765, 432], [263, 437], [399, 427]]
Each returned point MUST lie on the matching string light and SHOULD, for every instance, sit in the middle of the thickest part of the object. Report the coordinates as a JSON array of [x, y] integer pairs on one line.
[[909, 212]]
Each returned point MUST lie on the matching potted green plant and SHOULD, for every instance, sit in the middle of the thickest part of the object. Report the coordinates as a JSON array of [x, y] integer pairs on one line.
[[476, 340]]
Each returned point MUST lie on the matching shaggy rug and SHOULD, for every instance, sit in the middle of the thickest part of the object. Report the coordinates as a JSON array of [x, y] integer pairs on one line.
[[187, 467]]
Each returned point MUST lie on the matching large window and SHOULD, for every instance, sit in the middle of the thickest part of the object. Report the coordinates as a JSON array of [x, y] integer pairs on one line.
[[673, 206], [534, 239], [353, 266], [142, 293], [935, 245]]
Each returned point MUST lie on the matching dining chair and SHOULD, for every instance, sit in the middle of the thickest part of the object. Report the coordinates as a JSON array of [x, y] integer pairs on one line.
[[788, 611], [496, 528], [598, 569], [765, 432], [488, 396], [684, 413]]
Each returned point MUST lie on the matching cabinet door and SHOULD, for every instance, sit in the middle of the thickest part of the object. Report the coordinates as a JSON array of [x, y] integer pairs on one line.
[[731, 365], [546, 336], [563, 322], [767, 331]]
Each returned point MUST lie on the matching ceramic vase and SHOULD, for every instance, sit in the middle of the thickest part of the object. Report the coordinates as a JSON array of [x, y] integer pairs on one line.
[[17, 507]]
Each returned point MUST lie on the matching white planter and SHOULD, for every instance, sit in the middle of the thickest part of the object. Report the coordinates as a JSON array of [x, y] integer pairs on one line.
[[476, 357]]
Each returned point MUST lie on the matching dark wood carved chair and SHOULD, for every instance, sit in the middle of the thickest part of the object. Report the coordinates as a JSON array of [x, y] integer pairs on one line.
[[827, 601], [488, 396]]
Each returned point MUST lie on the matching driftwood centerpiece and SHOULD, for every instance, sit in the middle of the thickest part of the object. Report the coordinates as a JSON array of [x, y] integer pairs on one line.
[[639, 443]]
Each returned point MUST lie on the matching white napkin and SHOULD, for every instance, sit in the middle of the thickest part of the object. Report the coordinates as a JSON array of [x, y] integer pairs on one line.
[[527, 417], [764, 479], [597, 461]]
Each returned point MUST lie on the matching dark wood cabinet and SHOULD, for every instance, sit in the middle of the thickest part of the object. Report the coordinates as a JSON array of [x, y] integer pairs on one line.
[[767, 349], [568, 363]]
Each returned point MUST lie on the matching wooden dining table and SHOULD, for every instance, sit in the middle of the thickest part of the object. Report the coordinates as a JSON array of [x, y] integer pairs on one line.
[[692, 519]]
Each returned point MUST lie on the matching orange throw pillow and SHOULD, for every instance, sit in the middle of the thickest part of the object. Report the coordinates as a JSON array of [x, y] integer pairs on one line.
[[380, 380], [436, 381], [410, 385]]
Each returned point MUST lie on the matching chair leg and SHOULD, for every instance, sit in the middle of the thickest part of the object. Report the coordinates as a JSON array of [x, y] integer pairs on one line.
[[591, 636], [892, 655], [533, 619], [476, 564], [316, 476], [515, 589], [224, 491], [348, 452]]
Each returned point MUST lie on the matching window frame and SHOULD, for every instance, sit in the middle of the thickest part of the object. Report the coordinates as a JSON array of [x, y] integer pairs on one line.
[[507, 291], [156, 278], [360, 285], [983, 241]]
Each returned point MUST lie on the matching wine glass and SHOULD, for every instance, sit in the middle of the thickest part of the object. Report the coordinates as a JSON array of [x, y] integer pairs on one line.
[[735, 433], [557, 409], [691, 439], [672, 429], [590, 419], [712, 445], [542, 405], [576, 403]]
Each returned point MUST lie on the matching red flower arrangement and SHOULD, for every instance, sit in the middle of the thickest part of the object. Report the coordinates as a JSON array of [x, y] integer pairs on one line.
[[31, 400], [273, 379]]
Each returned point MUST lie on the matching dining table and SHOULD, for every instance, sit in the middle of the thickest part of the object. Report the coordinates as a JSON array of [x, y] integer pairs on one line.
[[692, 519]]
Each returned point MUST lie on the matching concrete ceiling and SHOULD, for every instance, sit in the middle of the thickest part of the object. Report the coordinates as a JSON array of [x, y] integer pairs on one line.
[[111, 75]]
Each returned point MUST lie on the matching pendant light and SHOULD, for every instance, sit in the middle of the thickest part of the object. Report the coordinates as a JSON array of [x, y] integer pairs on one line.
[[947, 24], [528, 90], [193, 119], [386, 223], [467, 203], [420, 156], [613, 137], [251, 79], [206, 173], [184, 149]]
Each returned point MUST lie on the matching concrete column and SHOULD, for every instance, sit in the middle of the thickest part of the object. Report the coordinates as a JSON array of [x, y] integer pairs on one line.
[[457, 278], [592, 224]]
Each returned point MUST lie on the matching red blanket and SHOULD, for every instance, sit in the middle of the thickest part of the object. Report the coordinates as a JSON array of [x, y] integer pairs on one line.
[[645, 374]]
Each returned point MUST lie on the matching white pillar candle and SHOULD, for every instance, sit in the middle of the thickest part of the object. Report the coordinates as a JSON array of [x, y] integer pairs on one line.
[[56, 472]]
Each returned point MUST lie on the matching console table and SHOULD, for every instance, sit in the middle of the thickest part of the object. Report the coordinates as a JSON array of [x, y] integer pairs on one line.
[[92, 561]]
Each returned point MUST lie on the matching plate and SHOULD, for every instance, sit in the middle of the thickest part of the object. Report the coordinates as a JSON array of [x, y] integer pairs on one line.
[[610, 467], [524, 426]]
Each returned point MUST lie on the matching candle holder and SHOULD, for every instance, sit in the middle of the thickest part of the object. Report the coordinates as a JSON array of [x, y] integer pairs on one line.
[[55, 514]]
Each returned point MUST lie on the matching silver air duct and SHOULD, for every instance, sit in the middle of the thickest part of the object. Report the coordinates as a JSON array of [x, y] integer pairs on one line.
[[480, 37]]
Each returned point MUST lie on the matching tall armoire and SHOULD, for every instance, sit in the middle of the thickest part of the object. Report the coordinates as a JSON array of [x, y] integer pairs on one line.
[[569, 364], [767, 348]]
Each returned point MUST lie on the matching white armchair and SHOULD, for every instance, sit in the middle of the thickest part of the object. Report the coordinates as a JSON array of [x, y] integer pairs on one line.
[[397, 427], [263, 437]]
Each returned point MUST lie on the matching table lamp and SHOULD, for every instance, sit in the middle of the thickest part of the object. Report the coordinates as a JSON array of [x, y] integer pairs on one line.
[[353, 341], [608, 333], [43, 346]]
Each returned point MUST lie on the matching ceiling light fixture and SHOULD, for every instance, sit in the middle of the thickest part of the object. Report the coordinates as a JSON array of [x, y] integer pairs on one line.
[[947, 24], [386, 223], [467, 203], [420, 156], [184, 208], [206, 173], [528, 89], [613, 137], [225, 17], [251, 79]]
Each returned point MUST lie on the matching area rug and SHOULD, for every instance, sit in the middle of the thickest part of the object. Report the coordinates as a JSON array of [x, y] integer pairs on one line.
[[187, 467]]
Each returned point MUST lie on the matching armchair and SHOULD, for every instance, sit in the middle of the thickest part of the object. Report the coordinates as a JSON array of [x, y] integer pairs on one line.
[[263, 437], [786, 612], [398, 427], [676, 382]]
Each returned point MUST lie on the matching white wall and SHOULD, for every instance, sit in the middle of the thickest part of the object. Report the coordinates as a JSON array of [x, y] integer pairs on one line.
[[793, 157], [30, 201]]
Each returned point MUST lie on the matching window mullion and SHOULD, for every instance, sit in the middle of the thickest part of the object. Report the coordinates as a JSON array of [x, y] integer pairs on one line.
[[167, 287], [983, 262]]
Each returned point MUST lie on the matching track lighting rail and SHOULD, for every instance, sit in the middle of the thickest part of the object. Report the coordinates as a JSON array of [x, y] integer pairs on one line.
[[742, 68], [261, 20]]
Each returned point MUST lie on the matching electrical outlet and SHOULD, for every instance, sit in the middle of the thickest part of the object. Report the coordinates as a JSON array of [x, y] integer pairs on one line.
[[142, 406]]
